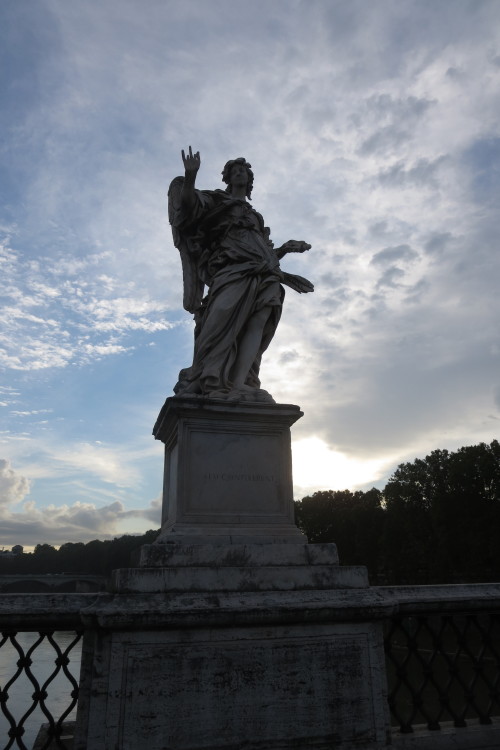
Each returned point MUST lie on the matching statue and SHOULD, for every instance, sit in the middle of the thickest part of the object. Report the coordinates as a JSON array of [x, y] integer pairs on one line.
[[225, 246]]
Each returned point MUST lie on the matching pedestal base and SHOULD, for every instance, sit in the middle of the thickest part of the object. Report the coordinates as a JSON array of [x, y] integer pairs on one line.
[[228, 472], [226, 637], [270, 686], [263, 647]]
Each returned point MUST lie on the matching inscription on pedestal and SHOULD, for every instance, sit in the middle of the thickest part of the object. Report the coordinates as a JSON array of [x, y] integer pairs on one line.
[[268, 690], [239, 477], [235, 473]]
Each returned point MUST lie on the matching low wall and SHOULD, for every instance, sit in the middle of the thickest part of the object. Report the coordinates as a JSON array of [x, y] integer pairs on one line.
[[434, 633]]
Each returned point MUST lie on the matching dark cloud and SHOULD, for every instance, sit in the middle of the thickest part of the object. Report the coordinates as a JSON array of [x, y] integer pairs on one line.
[[79, 522], [393, 120], [379, 228], [390, 278], [331, 281], [408, 391], [151, 513], [423, 173], [482, 159], [415, 293], [406, 110], [384, 140], [288, 356], [497, 396], [392, 254], [455, 74], [437, 242]]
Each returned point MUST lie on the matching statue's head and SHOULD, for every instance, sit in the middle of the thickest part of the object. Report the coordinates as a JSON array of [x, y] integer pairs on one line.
[[233, 167]]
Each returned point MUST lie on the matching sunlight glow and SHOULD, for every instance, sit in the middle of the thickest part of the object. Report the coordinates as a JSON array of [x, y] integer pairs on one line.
[[316, 467]]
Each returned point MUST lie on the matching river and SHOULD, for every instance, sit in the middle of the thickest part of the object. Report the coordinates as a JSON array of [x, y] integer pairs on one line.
[[22, 689]]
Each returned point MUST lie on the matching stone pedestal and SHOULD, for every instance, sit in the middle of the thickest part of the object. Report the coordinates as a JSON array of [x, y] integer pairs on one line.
[[228, 471], [258, 647], [227, 636]]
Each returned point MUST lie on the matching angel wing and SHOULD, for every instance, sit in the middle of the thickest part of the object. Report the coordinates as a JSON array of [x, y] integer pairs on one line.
[[298, 283], [183, 241]]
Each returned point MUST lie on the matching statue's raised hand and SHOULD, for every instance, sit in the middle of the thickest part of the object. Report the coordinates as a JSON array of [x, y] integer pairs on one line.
[[191, 161]]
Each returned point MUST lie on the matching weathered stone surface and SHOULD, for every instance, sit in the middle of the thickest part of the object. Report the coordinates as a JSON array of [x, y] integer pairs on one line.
[[33, 611], [295, 676], [471, 737], [458, 596], [228, 472], [136, 611], [233, 567], [168, 554], [265, 578], [42, 738]]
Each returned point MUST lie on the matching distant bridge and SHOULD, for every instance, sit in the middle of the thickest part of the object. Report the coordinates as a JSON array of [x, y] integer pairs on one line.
[[66, 583]]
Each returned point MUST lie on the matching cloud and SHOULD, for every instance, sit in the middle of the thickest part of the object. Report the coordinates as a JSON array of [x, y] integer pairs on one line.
[[56, 524], [423, 173], [152, 512], [109, 464], [13, 486], [497, 397], [63, 313], [392, 254], [437, 242], [79, 522], [59, 524], [391, 277]]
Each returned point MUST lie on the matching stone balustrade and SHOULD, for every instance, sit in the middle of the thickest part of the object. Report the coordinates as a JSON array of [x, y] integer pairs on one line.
[[442, 647]]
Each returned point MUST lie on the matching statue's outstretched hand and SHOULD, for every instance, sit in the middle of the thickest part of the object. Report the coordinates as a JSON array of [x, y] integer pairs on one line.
[[191, 161], [296, 246], [293, 246]]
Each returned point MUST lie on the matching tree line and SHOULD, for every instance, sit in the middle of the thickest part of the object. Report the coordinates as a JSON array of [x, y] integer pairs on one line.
[[436, 521], [98, 557]]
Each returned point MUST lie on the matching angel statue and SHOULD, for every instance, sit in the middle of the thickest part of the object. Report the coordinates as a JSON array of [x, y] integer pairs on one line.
[[225, 247]]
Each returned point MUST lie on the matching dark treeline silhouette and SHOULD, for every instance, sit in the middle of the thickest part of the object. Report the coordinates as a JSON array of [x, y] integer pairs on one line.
[[436, 521], [96, 557]]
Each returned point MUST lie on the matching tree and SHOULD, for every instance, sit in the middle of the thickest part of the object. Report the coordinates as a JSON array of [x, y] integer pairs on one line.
[[353, 520], [443, 515]]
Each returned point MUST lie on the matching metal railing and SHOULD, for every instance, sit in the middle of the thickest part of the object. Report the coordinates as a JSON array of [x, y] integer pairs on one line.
[[40, 647], [38, 689], [442, 649]]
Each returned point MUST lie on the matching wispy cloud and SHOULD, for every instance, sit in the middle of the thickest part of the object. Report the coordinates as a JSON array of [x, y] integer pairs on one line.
[[57, 313]]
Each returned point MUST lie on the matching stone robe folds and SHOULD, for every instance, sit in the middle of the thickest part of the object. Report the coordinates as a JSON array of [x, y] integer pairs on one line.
[[225, 246]]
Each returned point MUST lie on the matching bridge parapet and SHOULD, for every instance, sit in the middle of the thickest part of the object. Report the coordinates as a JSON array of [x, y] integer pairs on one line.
[[442, 647]]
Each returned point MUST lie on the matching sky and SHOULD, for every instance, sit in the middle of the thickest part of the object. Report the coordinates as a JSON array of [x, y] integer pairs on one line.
[[373, 130]]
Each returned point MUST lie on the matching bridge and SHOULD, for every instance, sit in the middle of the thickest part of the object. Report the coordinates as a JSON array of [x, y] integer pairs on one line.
[[64, 583]]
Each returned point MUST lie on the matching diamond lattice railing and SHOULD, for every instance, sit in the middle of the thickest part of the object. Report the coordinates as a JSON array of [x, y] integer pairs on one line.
[[36, 684], [443, 668]]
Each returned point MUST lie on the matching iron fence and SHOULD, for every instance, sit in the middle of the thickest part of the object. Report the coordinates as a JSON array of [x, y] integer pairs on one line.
[[34, 688], [443, 658], [40, 646]]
